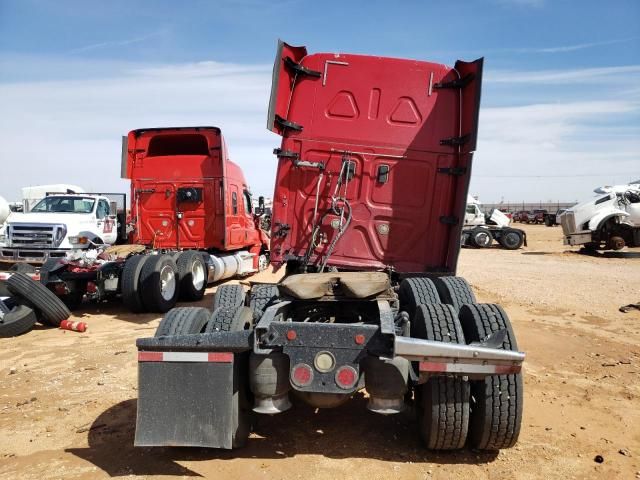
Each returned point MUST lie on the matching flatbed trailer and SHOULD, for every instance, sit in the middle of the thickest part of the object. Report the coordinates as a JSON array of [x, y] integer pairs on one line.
[[371, 187]]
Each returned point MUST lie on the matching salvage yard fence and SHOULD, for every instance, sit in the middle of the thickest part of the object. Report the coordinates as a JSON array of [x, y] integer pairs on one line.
[[511, 207]]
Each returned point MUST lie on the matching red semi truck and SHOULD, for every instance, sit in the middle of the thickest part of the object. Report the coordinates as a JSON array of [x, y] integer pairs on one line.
[[369, 201], [191, 223]]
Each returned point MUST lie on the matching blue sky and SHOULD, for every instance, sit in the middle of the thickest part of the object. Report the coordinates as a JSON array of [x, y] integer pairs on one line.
[[561, 99]]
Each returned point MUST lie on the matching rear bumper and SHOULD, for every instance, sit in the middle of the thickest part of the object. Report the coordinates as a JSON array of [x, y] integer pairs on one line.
[[26, 255]]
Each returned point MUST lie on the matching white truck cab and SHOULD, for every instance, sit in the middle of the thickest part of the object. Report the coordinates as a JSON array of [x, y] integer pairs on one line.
[[610, 220], [59, 223]]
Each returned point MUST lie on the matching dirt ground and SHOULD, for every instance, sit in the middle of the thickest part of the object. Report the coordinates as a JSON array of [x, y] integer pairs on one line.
[[68, 400]]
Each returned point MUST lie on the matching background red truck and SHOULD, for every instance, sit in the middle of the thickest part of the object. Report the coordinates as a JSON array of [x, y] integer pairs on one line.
[[191, 222]]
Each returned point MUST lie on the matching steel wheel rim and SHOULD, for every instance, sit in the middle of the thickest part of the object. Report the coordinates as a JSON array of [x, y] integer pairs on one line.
[[167, 282], [482, 239], [197, 275]]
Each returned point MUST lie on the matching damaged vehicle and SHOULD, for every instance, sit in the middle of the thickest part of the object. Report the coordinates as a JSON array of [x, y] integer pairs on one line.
[[609, 221]]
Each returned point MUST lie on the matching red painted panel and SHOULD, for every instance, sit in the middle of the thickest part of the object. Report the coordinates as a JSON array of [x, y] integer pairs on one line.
[[373, 112]]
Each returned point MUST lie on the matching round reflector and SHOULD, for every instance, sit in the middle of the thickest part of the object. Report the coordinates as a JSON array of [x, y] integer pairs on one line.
[[346, 377], [301, 375]]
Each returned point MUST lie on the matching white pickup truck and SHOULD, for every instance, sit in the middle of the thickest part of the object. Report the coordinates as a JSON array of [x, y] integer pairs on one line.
[[608, 221], [59, 223]]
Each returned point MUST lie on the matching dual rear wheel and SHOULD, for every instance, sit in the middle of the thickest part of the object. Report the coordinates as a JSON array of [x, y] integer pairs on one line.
[[453, 411], [154, 283]]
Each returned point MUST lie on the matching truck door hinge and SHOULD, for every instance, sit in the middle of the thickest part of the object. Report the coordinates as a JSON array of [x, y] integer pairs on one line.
[[449, 220], [455, 171], [283, 230], [455, 141], [278, 152], [299, 69], [287, 124], [459, 83]]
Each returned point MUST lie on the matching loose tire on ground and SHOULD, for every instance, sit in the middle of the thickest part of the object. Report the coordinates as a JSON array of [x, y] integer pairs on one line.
[[159, 283], [260, 297], [183, 321], [481, 237], [130, 283], [17, 321], [443, 401], [511, 239], [192, 272], [496, 401], [49, 307], [417, 291], [454, 291], [228, 296], [236, 319]]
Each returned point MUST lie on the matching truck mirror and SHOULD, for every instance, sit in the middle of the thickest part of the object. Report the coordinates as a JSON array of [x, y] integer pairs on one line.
[[260, 210], [113, 208]]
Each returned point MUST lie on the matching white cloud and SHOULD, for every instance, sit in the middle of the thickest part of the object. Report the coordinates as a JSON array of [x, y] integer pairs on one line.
[[616, 74], [555, 151], [68, 131], [118, 43]]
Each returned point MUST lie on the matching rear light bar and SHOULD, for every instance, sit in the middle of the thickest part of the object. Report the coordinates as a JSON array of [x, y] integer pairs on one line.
[[213, 357]]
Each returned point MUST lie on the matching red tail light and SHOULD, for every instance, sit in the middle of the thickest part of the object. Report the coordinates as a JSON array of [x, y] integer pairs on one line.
[[346, 377], [301, 375]]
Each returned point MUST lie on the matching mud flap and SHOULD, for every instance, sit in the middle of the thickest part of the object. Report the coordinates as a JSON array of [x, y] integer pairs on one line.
[[192, 403]]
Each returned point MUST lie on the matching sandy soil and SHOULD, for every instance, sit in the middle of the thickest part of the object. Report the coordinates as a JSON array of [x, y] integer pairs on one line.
[[68, 400]]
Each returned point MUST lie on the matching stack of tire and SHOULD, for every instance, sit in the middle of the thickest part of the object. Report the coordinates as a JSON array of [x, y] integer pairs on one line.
[[29, 302], [154, 283], [455, 411]]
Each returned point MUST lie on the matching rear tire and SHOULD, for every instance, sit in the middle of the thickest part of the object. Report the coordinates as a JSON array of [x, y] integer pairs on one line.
[[237, 319], [40, 298], [443, 401], [230, 319], [228, 296], [496, 401], [130, 283], [417, 291], [454, 291], [192, 272], [260, 297], [17, 321], [159, 283], [183, 321], [511, 239], [481, 237]]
